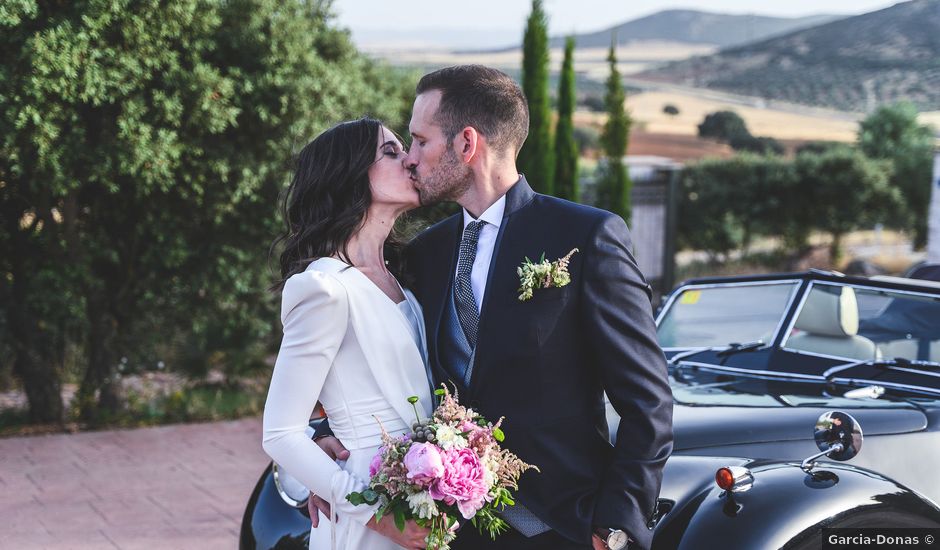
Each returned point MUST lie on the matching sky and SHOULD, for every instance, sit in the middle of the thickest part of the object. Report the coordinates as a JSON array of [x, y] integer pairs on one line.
[[369, 18]]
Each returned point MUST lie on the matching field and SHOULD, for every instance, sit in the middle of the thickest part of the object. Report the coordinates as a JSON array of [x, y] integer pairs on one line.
[[647, 110], [679, 147], [787, 122], [932, 118]]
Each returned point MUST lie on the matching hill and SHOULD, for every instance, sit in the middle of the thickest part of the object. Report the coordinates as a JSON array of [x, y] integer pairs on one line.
[[696, 27], [850, 64]]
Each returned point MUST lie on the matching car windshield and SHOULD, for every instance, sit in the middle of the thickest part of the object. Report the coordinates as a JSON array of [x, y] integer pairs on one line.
[[854, 322], [880, 338], [716, 315]]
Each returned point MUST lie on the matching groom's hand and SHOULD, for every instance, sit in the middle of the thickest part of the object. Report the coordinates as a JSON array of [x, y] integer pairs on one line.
[[335, 450], [332, 447]]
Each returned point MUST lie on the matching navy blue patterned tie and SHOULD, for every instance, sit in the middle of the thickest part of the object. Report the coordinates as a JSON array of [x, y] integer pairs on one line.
[[463, 291]]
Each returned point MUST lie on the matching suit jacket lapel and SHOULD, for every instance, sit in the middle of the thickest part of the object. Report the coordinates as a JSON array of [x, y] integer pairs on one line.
[[501, 276]]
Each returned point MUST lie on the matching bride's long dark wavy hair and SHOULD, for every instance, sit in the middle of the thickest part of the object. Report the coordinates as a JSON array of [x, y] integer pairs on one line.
[[328, 197]]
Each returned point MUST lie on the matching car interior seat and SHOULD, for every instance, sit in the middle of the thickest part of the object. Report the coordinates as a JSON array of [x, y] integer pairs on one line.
[[828, 324]]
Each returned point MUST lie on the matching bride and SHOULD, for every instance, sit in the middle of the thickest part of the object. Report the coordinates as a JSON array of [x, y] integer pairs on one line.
[[353, 337]]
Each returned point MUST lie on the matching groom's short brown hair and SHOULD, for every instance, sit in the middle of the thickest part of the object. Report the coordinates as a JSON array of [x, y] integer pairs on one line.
[[481, 97]]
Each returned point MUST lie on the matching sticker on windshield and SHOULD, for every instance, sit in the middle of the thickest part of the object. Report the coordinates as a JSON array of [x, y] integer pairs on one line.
[[690, 297]]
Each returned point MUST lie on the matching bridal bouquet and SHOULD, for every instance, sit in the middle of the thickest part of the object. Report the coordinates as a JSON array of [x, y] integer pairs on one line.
[[447, 465]]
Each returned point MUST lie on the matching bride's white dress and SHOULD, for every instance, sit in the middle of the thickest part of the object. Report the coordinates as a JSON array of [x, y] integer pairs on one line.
[[361, 355]]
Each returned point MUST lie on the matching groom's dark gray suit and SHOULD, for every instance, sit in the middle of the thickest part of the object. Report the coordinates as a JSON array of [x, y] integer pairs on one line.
[[545, 363]]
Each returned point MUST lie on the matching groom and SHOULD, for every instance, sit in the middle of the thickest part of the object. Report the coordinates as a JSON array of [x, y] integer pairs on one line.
[[543, 363]]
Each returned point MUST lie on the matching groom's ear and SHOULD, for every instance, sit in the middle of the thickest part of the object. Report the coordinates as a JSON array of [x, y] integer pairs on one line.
[[467, 143]]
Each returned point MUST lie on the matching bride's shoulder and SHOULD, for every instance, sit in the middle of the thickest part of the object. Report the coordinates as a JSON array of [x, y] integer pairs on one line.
[[319, 284]]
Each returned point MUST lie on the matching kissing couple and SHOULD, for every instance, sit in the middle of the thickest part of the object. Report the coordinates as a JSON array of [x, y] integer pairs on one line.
[[369, 321]]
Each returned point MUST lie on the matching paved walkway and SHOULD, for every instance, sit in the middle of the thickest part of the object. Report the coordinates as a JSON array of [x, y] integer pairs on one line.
[[181, 486]]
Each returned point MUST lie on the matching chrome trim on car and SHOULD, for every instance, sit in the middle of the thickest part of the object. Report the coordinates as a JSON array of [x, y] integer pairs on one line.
[[839, 368], [743, 478], [887, 364], [903, 387], [282, 491], [677, 358], [777, 375], [868, 392], [795, 316], [763, 374], [814, 354]]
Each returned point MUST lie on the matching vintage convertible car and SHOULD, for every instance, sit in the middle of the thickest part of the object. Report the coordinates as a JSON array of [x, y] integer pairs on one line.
[[776, 378]]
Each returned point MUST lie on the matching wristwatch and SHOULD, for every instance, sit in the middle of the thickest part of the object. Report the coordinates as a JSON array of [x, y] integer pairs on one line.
[[615, 539]]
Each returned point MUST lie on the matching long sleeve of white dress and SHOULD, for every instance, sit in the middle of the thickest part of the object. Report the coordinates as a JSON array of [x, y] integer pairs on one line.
[[315, 313]]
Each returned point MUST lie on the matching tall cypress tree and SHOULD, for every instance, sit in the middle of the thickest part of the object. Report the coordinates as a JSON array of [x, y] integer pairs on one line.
[[566, 150], [535, 159], [614, 185]]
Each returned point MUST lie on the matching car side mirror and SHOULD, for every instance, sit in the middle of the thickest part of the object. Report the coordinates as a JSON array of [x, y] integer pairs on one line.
[[838, 436]]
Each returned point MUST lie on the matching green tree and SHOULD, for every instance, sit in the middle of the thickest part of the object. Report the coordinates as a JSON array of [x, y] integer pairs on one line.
[[704, 223], [144, 145], [536, 157], [566, 147], [818, 146], [842, 190], [893, 133], [725, 203], [723, 126], [613, 183], [759, 187], [759, 145], [37, 301]]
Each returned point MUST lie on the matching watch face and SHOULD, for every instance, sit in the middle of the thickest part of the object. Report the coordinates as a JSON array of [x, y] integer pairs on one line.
[[617, 540]]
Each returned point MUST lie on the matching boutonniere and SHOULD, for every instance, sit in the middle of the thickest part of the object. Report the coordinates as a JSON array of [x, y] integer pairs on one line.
[[544, 274]]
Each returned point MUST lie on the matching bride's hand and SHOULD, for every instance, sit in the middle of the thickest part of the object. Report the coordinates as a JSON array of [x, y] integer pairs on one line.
[[411, 538], [335, 450]]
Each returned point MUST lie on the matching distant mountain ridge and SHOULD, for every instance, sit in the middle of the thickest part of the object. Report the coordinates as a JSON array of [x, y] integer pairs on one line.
[[696, 27], [852, 64]]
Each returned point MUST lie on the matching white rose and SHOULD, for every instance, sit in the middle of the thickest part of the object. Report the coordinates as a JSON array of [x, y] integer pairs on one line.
[[422, 505], [448, 438], [490, 465]]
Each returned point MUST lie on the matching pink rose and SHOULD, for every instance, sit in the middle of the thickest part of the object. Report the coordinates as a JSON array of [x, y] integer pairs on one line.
[[463, 482], [424, 462]]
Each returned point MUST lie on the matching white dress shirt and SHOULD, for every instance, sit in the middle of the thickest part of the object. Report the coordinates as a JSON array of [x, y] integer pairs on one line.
[[493, 216]]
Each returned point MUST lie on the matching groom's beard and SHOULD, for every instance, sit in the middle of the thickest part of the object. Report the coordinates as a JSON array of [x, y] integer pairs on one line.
[[448, 182]]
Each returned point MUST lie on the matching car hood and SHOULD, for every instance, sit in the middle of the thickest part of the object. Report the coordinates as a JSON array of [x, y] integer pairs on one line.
[[711, 426]]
